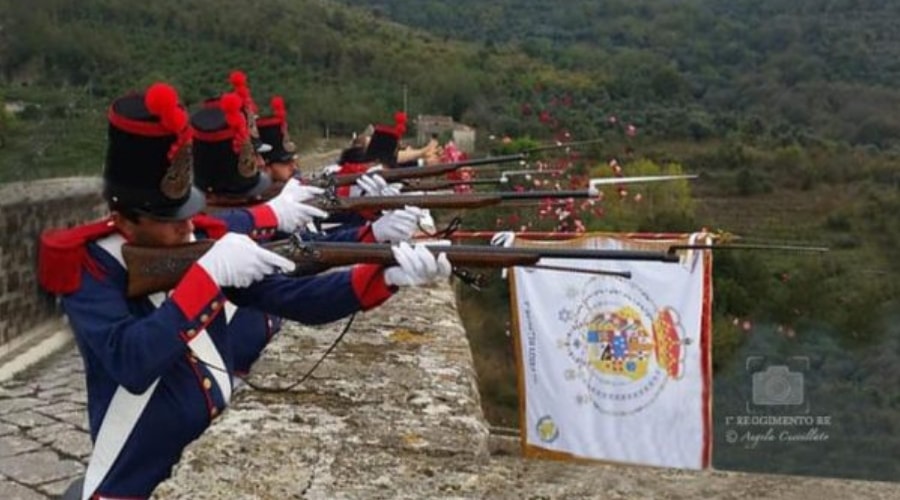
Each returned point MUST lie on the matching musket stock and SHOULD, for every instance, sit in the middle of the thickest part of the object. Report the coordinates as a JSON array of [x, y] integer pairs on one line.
[[152, 269]]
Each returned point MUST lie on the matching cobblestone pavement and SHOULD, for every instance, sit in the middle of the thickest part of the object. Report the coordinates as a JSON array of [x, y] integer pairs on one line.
[[44, 439]]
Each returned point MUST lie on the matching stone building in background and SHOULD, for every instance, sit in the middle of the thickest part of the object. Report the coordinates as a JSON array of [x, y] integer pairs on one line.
[[446, 129]]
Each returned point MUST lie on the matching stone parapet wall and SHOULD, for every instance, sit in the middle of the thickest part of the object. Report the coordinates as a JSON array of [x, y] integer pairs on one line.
[[394, 413], [26, 209]]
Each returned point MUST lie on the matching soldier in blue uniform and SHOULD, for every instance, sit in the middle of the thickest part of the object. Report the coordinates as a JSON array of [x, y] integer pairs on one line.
[[223, 170], [159, 367]]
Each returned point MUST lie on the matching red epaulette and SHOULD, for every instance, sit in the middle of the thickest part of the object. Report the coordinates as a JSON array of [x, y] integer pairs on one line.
[[63, 254]]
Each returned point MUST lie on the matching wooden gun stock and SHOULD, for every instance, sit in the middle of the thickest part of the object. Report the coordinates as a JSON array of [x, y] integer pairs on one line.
[[154, 269], [157, 269]]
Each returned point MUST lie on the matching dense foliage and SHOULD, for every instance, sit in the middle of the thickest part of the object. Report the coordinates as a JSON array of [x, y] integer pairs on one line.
[[787, 109], [804, 70]]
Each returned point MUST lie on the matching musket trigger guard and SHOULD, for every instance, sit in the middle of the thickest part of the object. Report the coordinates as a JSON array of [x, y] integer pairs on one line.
[[444, 233], [475, 280], [330, 196]]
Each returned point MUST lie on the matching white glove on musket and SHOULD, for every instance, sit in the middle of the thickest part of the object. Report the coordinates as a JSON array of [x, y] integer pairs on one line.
[[503, 239], [426, 221], [291, 212], [374, 168], [397, 225], [331, 169], [237, 261], [416, 266], [375, 185]]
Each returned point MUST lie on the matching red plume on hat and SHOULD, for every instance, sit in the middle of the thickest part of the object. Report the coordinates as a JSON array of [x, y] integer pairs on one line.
[[238, 81], [400, 123], [161, 99], [279, 110], [231, 104]]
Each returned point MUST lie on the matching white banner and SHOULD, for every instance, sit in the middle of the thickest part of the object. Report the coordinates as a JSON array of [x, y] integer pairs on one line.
[[615, 369]]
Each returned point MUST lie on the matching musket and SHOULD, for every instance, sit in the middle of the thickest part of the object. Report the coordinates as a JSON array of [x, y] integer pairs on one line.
[[336, 204], [154, 269], [399, 174], [747, 246], [529, 173], [450, 184], [593, 183], [615, 181]]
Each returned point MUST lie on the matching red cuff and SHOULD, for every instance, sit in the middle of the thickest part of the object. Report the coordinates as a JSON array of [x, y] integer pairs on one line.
[[369, 286], [366, 235], [263, 216], [195, 292], [369, 215]]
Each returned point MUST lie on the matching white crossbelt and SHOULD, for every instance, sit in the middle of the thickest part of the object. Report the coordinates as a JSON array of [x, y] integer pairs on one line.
[[125, 408]]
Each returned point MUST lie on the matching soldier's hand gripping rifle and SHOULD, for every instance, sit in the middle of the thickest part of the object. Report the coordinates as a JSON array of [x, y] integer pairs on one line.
[[401, 174], [152, 269]]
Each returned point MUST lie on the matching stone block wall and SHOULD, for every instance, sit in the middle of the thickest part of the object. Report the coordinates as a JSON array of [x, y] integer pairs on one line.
[[26, 209], [394, 413]]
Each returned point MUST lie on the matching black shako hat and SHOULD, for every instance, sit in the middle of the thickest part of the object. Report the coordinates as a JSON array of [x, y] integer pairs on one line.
[[258, 145], [148, 157], [385, 141], [224, 159], [273, 130]]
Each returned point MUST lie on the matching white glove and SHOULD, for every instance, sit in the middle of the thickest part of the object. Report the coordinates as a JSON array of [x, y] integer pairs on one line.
[[397, 225], [236, 260], [416, 266], [375, 185], [331, 169], [291, 212], [426, 221], [503, 239], [374, 168]]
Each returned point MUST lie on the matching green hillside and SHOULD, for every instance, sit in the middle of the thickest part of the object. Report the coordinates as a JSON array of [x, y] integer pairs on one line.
[[338, 68], [804, 70]]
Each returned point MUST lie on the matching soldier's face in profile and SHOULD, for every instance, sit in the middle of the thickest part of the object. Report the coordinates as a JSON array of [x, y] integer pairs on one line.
[[154, 232], [282, 171]]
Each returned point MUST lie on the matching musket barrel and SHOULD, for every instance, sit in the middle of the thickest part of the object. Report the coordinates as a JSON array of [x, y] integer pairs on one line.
[[540, 195], [455, 200], [433, 186], [452, 201], [473, 255]]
